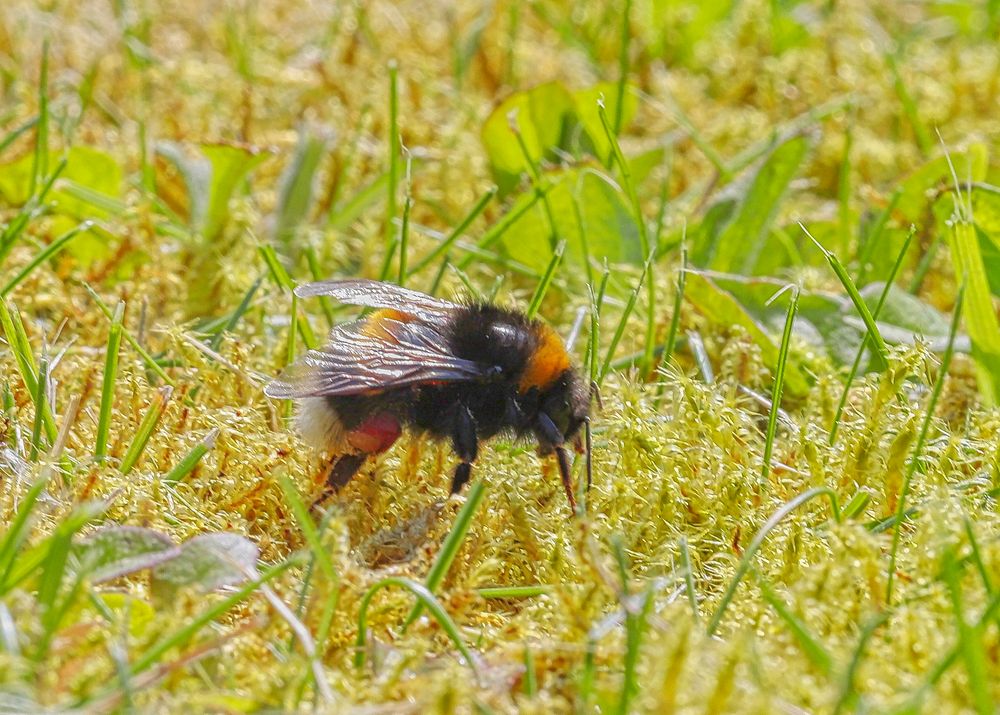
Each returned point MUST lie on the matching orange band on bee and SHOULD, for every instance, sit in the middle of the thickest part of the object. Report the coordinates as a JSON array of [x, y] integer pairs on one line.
[[373, 326], [547, 362]]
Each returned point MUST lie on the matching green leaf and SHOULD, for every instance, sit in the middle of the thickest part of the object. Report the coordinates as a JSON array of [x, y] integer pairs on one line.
[[605, 222], [208, 561], [119, 550], [297, 182], [540, 115], [89, 188], [721, 307], [738, 246], [209, 179], [230, 165], [936, 174], [585, 103], [980, 316]]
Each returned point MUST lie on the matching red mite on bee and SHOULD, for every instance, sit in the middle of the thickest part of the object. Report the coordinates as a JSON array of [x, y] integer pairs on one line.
[[464, 373]]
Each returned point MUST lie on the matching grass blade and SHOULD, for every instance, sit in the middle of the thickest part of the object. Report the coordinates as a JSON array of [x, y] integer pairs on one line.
[[623, 321], [108, 383], [456, 232], [190, 460], [881, 351], [918, 448], [813, 649], [889, 281], [650, 252], [394, 143], [779, 385], [182, 635], [17, 532], [427, 600], [970, 641], [145, 429], [450, 547], [758, 540], [543, 285], [148, 359], [46, 253]]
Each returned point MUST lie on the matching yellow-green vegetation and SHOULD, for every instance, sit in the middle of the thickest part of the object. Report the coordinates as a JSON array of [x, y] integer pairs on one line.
[[170, 171]]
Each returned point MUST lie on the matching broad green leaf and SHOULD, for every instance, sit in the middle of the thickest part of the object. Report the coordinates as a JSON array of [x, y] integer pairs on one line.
[[980, 315], [89, 188], [970, 165], [906, 311], [139, 614], [119, 550], [721, 307], [585, 103], [231, 163], [207, 183], [183, 180], [540, 115], [741, 242], [297, 182], [606, 222], [208, 561]]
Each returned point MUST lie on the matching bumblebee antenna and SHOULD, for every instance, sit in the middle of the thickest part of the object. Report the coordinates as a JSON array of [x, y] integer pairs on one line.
[[595, 393]]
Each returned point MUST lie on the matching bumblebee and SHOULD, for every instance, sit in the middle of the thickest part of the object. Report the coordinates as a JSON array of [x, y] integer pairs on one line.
[[465, 373]]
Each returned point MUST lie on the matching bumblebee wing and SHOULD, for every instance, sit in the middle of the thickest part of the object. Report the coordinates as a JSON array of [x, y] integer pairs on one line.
[[375, 294], [356, 361]]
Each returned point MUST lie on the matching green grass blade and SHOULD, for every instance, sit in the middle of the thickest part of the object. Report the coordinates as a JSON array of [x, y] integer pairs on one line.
[[17, 341], [543, 285], [980, 316], [41, 404], [529, 683], [813, 649], [779, 385], [186, 632], [189, 461], [689, 577], [404, 241], [452, 544], [497, 230], [237, 314], [758, 540], [970, 642], [17, 532], [108, 382], [455, 233], [622, 323], [146, 428], [848, 693], [889, 281], [148, 359], [308, 528], [394, 144], [504, 592], [918, 448], [426, 600], [647, 250], [46, 253], [881, 350], [284, 281]]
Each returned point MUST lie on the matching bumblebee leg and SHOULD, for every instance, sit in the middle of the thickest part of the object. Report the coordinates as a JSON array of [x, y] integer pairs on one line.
[[463, 472], [563, 459], [466, 445], [342, 469]]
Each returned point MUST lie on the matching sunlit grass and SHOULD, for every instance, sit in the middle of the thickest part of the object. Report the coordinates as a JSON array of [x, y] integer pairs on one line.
[[832, 548]]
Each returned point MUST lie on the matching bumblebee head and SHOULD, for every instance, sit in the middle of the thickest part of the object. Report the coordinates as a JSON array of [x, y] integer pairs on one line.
[[565, 405]]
